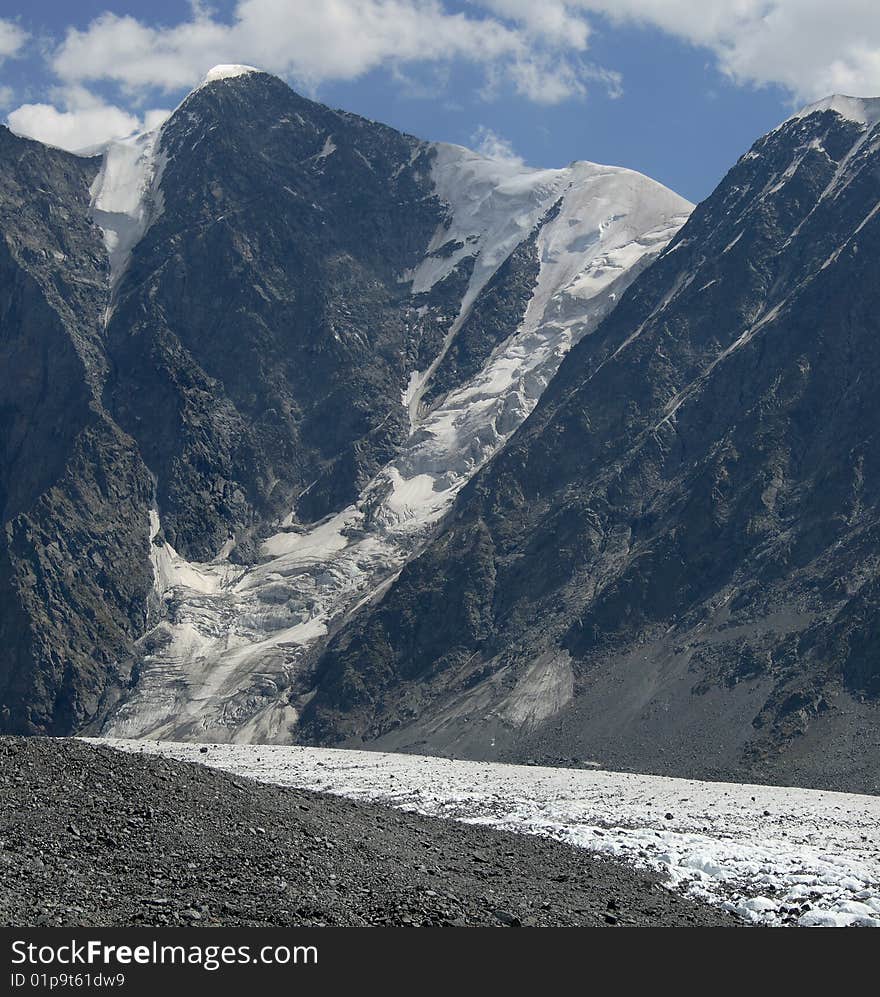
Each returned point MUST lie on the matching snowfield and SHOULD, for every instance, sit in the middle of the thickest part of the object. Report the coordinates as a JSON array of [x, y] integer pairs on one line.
[[775, 856]]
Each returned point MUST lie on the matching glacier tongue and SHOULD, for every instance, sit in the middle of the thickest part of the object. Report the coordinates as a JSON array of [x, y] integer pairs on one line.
[[235, 641]]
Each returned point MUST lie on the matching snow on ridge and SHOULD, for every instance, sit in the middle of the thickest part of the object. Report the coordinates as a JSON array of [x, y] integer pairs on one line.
[[125, 195], [862, 110], [495, 203], [773, 855]]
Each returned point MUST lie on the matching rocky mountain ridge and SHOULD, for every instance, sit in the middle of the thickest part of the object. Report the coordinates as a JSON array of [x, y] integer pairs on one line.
[[314, 431]]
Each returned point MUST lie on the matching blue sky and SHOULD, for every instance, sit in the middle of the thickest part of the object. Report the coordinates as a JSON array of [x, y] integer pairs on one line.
[[675, 88]]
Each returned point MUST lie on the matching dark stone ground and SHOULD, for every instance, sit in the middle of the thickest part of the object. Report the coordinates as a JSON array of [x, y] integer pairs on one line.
[[90, 837]]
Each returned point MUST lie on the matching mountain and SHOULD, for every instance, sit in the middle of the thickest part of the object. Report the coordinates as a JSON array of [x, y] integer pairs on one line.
[[251, 358], [74, 570], [673, 565]]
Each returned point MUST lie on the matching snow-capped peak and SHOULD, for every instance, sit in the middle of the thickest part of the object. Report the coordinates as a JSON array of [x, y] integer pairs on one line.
[[862, 110], [228, 71]]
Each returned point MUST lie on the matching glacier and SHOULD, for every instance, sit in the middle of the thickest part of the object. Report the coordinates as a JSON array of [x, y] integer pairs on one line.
[[231, 641]]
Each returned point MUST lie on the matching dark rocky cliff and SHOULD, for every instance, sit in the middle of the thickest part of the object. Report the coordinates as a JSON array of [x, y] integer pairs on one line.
[[74, 573], [250, 352], [261, 333], [233, 345], [688, 523]]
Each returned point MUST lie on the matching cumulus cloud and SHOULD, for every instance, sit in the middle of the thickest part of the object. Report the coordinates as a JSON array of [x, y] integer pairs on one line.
[[85, 120], [12, 38], [809, 47], [547, 83], [155, 117], [537, 50], [334, 40], [559, 22]]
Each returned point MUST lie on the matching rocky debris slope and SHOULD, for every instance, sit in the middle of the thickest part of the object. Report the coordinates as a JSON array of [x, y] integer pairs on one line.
[[90, 836], [674, 561]]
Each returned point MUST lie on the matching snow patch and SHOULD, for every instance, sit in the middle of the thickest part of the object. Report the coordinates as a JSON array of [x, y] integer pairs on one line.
[[171, 571], [228, 72], [125, 195], [862, 110], [328, 149], [541, 692]]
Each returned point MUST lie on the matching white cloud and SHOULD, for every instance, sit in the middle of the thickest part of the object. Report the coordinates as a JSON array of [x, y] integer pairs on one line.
[[559, 22], [809, 47], [84, 122], [73, 130], [515, 42], [489, 143], [12, 38], [538, 50], [545, 82], [336, 39], [155, 117]]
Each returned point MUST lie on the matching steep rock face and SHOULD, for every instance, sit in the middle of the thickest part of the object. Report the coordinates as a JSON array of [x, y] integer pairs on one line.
[[260, 333], [76, 582], [52, 287], [688, 521], [74, 575]]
